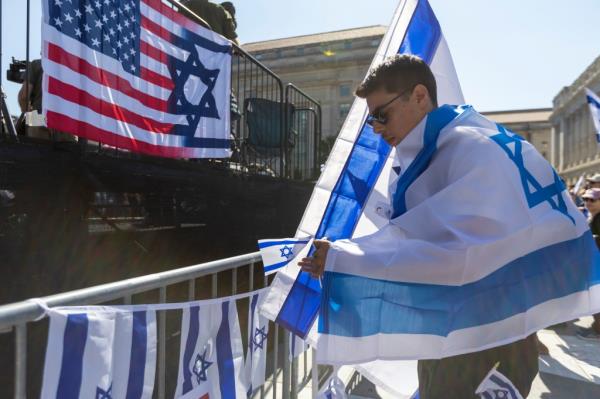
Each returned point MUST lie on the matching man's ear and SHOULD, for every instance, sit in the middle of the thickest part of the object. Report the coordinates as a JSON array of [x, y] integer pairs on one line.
[[420, 94]]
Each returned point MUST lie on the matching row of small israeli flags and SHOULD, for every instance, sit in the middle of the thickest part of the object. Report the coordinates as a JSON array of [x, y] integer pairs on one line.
[[107, 352]]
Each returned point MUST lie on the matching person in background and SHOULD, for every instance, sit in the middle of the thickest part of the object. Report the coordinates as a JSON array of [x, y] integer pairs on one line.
[[34, 100], [230, 8], [591, 197], [215, 16], [594, 181]]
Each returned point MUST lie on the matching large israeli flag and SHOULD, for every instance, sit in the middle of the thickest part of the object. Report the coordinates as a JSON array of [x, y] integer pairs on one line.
[[594, 103], [353, 188], [211, 357], [100, 352], [484, 248]]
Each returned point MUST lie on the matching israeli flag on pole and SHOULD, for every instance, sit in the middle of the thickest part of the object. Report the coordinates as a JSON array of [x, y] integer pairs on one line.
[[495, 385], [256, 355], [594, 103], [351, 197], [348, 197], [279, 252], [100, 352], [211, 357]]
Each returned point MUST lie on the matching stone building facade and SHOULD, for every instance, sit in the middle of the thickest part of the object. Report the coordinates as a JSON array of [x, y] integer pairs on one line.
[[531, 124], [573, 144], [327, 66]]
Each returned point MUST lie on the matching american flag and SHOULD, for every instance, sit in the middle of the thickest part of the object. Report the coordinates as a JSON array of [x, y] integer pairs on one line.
[[138, 75]]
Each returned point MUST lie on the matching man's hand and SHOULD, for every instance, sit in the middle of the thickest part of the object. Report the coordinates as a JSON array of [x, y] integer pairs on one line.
[[316, 264]]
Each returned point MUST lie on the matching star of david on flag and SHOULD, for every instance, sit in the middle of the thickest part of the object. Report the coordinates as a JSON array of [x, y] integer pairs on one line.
[[279, 252], [136, 74], [102, 394], [200, 367], [211, 356], [496, 385]]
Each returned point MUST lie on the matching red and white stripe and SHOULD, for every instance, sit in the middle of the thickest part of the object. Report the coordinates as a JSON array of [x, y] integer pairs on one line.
[[90, 94]]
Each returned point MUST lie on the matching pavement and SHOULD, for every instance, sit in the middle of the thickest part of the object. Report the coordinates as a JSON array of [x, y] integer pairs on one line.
[[570, 370]]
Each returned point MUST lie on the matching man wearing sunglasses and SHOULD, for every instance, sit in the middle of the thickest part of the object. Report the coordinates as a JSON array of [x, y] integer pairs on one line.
[[458, 188]]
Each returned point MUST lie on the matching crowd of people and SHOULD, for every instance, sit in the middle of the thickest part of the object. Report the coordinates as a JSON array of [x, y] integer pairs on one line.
[[587, 198]]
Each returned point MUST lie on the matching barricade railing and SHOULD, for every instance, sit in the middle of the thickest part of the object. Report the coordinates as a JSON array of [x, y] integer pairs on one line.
[[188, 283], [306, 124]]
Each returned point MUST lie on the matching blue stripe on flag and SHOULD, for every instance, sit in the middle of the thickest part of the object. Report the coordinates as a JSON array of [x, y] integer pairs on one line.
[[225, 356], [424, 33], [267, 244], [71, 368], [137, 362], [190, 346], [436, 120], [356, 303], [270, 268], [355, 183], [251, 338], [593, 101]]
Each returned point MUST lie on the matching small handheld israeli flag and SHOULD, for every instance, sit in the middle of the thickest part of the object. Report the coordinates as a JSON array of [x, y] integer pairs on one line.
[[594, 103], [279, 252], [334, 389], [495, 385]]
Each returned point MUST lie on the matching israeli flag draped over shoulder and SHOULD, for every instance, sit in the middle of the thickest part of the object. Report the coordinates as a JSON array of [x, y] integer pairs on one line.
[[100, 352], [483, 247]]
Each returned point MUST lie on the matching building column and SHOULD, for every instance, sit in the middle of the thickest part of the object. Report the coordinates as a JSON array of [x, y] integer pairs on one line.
[[561, 146], [554, 147]]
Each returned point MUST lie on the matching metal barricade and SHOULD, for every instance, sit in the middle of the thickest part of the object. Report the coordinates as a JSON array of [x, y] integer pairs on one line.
[[188, 283], [306, 125]]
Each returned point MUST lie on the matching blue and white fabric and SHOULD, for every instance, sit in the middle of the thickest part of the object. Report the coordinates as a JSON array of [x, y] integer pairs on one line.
[[351, 197], [279, 252], [496, 385], [297, 346], [100, 352], [484, 248], [334, 388], [348, 198], [211, 356], [256, 353], [594, 103]]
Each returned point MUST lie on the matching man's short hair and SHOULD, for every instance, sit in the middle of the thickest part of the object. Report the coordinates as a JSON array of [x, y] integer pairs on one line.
[[399, 73]]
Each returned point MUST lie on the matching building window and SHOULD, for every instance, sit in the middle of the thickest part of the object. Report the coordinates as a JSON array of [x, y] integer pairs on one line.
[[259, 56], [347, 45], [344, 109], [299, 50], [278, 54], [345, 90]]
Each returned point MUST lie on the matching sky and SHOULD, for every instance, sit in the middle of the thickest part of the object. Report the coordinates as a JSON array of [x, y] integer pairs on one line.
[[509, 54]]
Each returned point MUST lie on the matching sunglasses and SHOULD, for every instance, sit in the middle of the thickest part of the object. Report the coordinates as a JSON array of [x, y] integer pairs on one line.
[[379, 115], [589, 200]]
